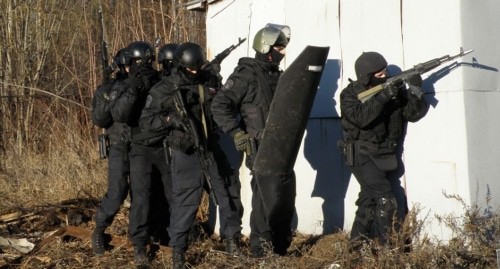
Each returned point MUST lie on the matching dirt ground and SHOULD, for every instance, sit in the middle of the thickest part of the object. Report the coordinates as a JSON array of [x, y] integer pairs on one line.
[[60, 238]]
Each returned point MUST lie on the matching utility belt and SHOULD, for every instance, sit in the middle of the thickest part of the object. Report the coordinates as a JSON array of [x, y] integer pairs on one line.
[[382, 154], [105, 143]]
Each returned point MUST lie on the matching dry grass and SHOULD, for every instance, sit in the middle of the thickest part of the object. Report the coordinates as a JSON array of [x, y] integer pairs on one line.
[[42, 184]]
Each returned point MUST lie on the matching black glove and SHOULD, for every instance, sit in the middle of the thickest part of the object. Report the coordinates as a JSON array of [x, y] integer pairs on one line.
[[134, 85], [140, 69], [174, 122], [391, 90], [102, 94], [134, 70], [415, 80], [416, 91]]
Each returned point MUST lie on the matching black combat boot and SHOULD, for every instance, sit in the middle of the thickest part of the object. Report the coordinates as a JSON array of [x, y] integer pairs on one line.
[[141, 258], [233, 246], [178, 259], [98, 246]]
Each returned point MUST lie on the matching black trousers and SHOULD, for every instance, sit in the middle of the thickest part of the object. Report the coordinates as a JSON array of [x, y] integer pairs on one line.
[[273, 207], [188, 180], [148, 168], [187, 189], [118, 185], [376, 201], [228, 189]]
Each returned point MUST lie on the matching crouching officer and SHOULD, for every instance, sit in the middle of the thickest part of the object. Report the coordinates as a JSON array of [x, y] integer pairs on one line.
[[373, 133], [191, 139]]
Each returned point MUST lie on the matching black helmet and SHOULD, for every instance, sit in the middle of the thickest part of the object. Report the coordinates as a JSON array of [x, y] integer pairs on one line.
[[140, 50], [190, 55], [367, 64], [121, 58], [268, 37], [166, 52]]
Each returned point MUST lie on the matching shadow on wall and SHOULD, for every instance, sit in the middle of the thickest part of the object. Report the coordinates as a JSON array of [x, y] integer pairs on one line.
[[320, 149]]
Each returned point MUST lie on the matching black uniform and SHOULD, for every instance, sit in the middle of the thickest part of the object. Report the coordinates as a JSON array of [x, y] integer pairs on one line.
[[247, 95], [187, 174], [118, 164], [375, 130], [147, 159]]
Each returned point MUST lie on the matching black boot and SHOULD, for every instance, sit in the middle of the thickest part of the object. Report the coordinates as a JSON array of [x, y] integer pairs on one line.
[[178, 259], [98, 244], [233, 246], [141, 258]]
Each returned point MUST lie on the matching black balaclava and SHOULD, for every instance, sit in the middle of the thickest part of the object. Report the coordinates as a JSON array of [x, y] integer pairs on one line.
[[166, 68], [368, 64], [273, 57], [192, 78], [276, 56]]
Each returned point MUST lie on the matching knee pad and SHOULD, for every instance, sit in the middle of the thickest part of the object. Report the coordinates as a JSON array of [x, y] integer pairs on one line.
[[386, 206]]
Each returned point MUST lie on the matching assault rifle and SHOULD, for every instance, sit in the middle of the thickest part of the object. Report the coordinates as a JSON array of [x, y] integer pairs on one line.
[[107, 69], [403, 77], [221, 56], [207, 160], [103, 138]]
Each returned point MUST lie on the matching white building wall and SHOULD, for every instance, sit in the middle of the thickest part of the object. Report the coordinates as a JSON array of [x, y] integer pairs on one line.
[[453, 149]]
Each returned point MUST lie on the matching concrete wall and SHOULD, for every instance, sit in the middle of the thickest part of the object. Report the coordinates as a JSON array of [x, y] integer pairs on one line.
[[453, 149]]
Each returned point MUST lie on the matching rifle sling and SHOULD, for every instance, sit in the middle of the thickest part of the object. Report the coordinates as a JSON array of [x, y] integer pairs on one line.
[[202, 104]]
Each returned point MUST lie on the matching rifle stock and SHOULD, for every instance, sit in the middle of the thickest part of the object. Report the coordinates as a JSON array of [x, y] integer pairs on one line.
[[206, 159], [419, 69]]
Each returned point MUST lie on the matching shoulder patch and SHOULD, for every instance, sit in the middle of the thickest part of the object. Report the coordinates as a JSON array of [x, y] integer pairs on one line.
[[113, 95], [228, 85], [149, 100]]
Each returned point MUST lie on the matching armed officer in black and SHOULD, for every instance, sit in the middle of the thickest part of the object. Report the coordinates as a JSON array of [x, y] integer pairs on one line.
[[161, 190], [127, 109], [163, 116], [117, 153], [373, 133], [241, 109]]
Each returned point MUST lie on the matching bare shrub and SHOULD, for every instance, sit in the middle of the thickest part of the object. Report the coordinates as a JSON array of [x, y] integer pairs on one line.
[[49, 68]]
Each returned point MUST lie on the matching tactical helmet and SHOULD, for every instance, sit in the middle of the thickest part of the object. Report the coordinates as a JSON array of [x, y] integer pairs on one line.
[[268, 37], [166, 52], [367, 64], [284, 28], [120, 58], [140, 50], [190, 55]]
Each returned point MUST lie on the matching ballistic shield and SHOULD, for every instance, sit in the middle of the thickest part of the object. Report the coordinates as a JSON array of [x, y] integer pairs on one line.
[[289, 112]]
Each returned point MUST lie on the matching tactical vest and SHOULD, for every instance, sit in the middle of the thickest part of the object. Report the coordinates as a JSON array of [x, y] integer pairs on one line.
[[255, 113], [384, 132]]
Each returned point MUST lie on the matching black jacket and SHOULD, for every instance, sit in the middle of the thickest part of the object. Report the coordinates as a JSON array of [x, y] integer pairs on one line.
[[128, 102], [246, 95], [378, 121], [160, 104], [102, 104]]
